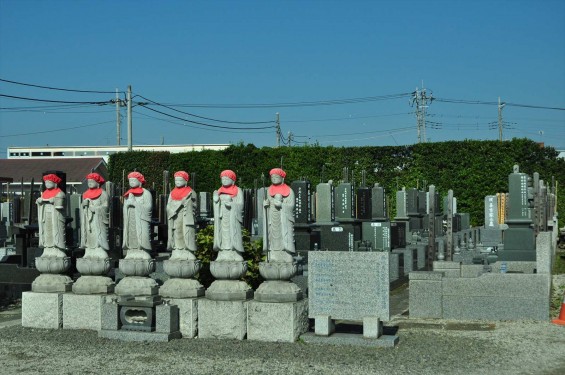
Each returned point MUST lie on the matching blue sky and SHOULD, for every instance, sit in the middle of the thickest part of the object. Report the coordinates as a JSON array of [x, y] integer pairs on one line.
[[184, 53]]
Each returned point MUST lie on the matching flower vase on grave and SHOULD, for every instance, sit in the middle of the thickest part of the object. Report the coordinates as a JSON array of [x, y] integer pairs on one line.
[[95, 264], [54, 261], [182, 265], [229, 265], [278, 241]]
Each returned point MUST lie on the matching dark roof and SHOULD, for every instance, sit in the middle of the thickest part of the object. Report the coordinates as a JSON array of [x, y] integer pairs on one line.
[[75, 168]]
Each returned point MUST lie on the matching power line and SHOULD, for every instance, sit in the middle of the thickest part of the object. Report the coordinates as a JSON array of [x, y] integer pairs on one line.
[[196, 127], [369, 132], [56, 88], [203, 124], [361, 139], [55, 130], [56, 101], [480, 102], [298, 104], [349, 118], [207, 118]]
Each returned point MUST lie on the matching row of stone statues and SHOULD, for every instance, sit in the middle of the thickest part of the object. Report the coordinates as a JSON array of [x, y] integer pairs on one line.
[[278, 224]]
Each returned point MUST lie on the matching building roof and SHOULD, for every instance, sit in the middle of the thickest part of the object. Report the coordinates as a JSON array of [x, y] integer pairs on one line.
[[76, 169]]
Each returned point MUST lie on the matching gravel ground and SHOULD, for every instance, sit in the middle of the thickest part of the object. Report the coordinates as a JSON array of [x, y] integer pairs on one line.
[[510, 348]]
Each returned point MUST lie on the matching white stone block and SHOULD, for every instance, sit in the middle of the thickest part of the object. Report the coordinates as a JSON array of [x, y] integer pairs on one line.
[[42, 310], [82, 311], [276, 322], [222, 319], [188, 315], [323, 325], [372, 327]]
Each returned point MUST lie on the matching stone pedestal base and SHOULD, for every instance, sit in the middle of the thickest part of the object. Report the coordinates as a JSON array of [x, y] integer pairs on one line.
[[93, 285], [188, 315], [42, 310], [222, 319], [83, 311], [277, 322], [137, 286], [51, 283], [229, 290], [278, 291], [181, 288], [166, 325]]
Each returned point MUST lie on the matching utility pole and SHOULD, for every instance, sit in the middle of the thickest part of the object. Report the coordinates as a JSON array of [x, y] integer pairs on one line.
[[118, 119], [130, 135], [421, 99], [290, 137], [278, 121], [500, 122]]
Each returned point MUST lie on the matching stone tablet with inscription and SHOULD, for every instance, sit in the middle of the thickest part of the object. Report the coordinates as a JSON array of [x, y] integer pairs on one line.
[[349, 285]]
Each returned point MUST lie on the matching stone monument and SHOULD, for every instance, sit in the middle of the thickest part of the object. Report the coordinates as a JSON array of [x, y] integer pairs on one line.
[[54, 261], [95, 264], [278, 242], [137, 293], [279, 312], [43, 306], [229, 265], [182, 265], [223, 313]]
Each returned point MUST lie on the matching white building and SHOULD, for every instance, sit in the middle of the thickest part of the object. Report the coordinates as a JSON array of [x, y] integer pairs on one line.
[[100, 151]]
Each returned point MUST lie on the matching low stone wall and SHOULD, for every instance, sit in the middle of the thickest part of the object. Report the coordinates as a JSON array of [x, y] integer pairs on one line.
[[469, 292]]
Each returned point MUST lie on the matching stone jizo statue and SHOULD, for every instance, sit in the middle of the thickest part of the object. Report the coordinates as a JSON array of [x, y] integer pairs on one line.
[[228, 218], [181, 206], [137, 218], [50, 211], [278, 221], [94, 218]]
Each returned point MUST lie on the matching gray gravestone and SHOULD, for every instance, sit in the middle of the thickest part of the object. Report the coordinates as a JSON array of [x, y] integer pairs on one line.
[[491, 212], [349, 285], [401, 212], [325, 203]]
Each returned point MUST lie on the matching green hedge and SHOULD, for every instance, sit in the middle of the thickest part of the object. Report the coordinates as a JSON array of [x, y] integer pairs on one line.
[[472, 169]]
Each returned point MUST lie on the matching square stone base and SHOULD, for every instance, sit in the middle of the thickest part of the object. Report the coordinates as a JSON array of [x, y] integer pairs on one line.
[[42, 310], [277, 322], [81, 311], [188, 315], [222, 319]]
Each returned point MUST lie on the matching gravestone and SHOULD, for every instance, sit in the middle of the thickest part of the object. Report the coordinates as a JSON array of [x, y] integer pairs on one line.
[[344, 202], [412, 207], [519, 238], [378, 200], [363, 203], [325, 203], [377, 234], [339, 237], [491, 212], [302, 206], [398, 234], [401, 209]]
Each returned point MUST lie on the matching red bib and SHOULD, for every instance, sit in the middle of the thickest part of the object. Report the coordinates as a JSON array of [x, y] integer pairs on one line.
[[177, 194], [231, 191], [282, 189], [50, 193], [135, 191], [92, 193]]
